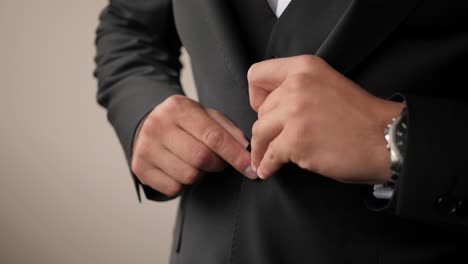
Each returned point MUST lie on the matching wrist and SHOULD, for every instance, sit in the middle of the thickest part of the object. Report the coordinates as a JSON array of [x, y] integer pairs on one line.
[[387, 111]]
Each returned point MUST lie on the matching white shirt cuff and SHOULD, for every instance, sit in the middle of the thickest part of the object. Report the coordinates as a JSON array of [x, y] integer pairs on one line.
[[383, 192]]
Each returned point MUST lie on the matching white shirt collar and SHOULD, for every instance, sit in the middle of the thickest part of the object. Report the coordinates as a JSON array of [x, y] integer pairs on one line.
[[278, 6]]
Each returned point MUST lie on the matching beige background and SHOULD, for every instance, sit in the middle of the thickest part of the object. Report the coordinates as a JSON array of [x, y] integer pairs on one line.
[[65, 192]]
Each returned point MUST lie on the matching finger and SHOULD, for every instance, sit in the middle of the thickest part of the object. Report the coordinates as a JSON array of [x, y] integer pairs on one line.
[[192, 151], [174, 167], [275, 156], [263, 132], [271, 103], [228, 125], [213, 135], [157, 179], [264, 77]]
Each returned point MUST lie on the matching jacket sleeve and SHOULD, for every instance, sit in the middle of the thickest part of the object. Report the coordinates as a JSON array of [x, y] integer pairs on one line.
[[137, 66], [433, 187]]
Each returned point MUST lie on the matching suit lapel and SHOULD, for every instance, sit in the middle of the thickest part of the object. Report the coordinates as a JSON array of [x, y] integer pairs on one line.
[[362, 28], [226, 34], [228, 37], [303, 27], [342, 32]]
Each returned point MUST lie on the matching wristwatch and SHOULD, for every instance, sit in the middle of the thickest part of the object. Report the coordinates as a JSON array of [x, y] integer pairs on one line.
[[396, 137]]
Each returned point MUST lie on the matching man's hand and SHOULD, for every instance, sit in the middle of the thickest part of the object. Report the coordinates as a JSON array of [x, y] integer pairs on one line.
[[313, 116], [180, 139]]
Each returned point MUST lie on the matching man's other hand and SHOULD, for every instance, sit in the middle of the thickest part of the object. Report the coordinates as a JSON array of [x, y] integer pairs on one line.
[[313, 116], [180, 140]]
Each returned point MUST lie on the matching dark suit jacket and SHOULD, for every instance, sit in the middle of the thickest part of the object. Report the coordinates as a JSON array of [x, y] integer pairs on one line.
[[417, 48]]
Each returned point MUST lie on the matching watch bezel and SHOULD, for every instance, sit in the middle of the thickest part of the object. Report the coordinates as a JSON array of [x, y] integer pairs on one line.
[[391, 136]]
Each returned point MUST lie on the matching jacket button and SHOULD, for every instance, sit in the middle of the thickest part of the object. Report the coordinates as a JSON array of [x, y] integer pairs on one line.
[[447, 205], [440, 200], [457, 208]]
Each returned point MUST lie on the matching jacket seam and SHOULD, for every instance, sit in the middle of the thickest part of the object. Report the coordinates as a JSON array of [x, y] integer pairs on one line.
[[234, 240]]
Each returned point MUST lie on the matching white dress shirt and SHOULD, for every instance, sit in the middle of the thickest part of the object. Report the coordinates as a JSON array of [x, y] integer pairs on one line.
[[278, 7]]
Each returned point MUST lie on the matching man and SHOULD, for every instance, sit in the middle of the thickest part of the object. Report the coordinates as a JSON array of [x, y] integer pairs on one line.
[[285, 157]]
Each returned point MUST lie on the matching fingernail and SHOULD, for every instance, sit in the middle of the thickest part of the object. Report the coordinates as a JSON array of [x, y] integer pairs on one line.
[[253, 167], [250, 173], [245, 143], [260, 174]]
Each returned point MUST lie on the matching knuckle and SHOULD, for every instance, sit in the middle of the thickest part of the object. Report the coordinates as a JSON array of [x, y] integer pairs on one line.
[[143, 151], [302, 163], [240, 162], [173, 189], [137, 168], [152, 125], [255, 103], [190, 176], [259, 128], [261, 110], [256, 128], [148, 125], [175, 102], [202, 157], [214, 137], [310, 61], [251, 73], [144, 178], [304, 159]]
